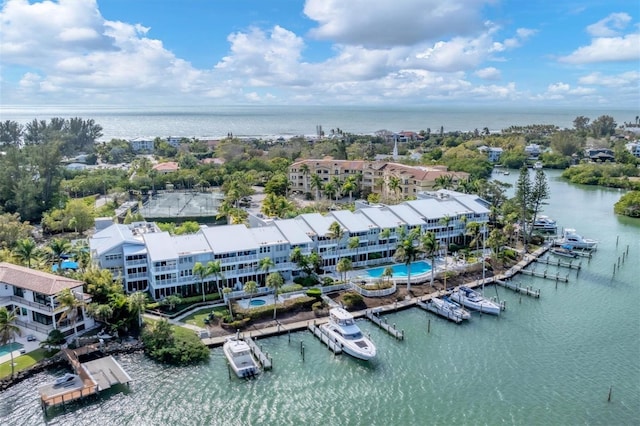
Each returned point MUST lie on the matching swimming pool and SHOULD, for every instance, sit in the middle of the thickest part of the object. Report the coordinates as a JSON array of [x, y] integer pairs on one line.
[[400, 270], [8, 348]]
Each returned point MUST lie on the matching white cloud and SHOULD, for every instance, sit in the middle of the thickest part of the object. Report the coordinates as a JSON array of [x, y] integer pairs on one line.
[[629, 79], [607, 49], [609, 26], [489, 73], [386, 23]]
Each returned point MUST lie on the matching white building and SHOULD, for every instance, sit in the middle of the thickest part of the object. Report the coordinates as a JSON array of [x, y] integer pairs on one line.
[[634, 148], [33, 295], [147, 259], [141, 145]]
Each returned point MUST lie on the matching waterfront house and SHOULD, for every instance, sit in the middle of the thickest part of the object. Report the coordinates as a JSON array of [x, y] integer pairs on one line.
[[147, 259], [33, 294], [492, 153], [634, 148], [139, 145]]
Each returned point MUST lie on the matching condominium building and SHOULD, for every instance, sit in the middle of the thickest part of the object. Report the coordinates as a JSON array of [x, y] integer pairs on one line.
[[32, 294], [372, 176], [147, 259]]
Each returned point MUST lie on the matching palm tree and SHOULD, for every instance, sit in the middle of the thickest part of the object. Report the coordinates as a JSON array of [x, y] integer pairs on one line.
[[407, 252], [215, 269], [446, 220], [430, 246], [201, 271], [137, 302], [70, 304], [8, 330], [25, 250], [343, 267], [387, 273], [394, 186], [336, 232], [58, 247], [275, 281], [100, 311], [349, 186], [354, 243], [266, 264], [316, 182], [228, 290], [250, 288], [385, 234]]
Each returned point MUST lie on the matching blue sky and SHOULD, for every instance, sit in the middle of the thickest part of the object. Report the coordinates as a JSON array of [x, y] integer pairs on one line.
[[321, 52]]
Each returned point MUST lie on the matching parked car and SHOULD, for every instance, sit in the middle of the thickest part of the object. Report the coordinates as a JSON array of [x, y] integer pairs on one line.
[[31, 338]]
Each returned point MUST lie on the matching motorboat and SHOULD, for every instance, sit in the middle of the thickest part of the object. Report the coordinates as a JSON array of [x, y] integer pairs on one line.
[[447, 309], [343, 330], [474, 300], [66, 380], [240, 358], [564, 250], [537, 165], [545, 223], [572, 238]]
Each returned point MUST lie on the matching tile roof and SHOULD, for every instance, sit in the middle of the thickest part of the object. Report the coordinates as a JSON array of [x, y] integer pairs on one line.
[[30, 279]]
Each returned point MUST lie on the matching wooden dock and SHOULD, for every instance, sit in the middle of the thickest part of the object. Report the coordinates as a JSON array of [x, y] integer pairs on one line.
[[519, 289], [263, 358], [335, 347], [383, 324], [430, 308], [560, 263], [545, 275], [93, 376]]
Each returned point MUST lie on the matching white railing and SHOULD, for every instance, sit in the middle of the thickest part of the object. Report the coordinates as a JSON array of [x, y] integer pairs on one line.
[[374, 293]]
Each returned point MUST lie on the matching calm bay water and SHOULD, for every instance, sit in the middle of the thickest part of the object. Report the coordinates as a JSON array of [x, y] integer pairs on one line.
[[547, 361], [259, 121]]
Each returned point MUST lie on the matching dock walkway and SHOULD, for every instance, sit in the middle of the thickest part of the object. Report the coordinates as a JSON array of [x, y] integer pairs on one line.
[[263, 358], [335, 347], [372, 315]]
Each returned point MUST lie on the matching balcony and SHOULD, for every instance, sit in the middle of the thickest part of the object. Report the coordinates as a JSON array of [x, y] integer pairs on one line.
[[24, 302]]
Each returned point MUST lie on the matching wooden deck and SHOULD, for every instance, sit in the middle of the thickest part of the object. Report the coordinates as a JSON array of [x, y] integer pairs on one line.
[[94, 376]]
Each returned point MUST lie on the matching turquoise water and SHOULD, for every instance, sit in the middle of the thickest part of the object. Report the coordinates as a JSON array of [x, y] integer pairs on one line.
[[547, 361], [10, 347], [257, 302], [400, 270]]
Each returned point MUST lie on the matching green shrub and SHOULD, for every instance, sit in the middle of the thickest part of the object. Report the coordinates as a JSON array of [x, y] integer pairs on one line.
[[353, 300], [308, 281], [163, 344], [318, 305], [510, 254], [290, 288], [314, 292], [327, 281]]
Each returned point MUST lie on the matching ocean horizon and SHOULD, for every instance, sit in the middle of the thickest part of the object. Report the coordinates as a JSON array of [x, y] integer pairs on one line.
[[265, 121]]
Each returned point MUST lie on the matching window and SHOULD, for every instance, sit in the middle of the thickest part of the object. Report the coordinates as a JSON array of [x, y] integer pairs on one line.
[[17, 291]]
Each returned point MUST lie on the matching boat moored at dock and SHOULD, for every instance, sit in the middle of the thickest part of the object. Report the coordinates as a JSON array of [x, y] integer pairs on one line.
[[240, 358], [342, 329], [564, 250], [572, 238], [447, 309], [473, 300], [545, 224]]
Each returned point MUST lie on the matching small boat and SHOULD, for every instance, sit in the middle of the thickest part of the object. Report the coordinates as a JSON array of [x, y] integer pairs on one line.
[[545, 223], [564, 250], [343, 329], [65, 381], [506, 173], [473, 300], [240, 357], [575, 240], [537, 165], [448, 309]]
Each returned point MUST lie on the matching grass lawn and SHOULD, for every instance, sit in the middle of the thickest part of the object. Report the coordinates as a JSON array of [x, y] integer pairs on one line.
[[25, 361], [197, 318]]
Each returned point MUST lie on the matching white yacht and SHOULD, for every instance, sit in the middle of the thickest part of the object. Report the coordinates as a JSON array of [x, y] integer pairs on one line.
[[572, 238], [448, 309], [474, 300], [545, 223], [240, 357], [343, 329]]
